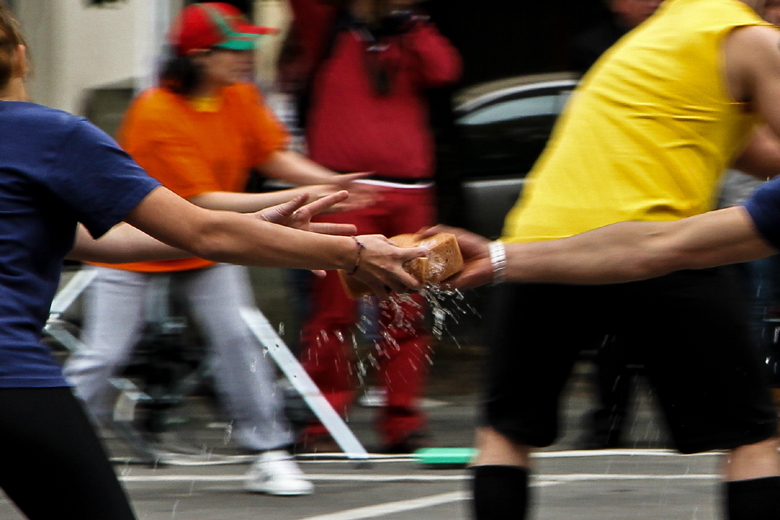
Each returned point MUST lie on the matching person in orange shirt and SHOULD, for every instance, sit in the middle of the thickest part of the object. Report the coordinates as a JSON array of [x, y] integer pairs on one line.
[[199, 134]]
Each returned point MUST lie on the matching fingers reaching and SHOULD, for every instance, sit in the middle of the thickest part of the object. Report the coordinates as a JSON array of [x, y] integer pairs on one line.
[[325, 203], [298, 214], [281, 213], [346, 178]]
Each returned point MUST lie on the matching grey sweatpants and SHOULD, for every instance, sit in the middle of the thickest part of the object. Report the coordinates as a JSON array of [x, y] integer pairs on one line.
[[115, 317]]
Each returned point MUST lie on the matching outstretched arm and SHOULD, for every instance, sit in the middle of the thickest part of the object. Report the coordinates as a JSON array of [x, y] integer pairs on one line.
[[621, 252], [252, 202], [293, 168], [226, 236], [124, 243]]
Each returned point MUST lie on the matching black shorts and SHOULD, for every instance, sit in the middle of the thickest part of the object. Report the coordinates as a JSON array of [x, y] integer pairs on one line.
[[689, 329]]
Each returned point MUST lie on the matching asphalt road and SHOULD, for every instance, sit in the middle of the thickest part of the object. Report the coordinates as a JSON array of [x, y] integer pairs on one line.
[[203, 480]]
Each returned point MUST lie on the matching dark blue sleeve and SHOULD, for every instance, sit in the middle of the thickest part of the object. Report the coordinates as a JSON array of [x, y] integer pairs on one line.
[[764, 209], [96, 179]]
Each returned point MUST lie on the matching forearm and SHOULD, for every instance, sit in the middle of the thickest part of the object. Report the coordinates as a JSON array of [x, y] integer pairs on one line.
[[639, 250], [295, 169], [618, 253], [226, 236], [251, 202], [246, 240], [123, 243]]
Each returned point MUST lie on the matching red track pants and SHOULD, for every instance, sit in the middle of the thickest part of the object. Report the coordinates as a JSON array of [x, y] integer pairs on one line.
[[401, 356]]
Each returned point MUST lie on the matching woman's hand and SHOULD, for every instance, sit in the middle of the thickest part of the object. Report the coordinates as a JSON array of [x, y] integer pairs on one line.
[[298, 214], [380, 265], [361, 194]]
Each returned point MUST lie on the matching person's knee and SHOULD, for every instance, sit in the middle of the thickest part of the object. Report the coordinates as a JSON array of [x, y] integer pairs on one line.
[[495, 448], [752, 461]]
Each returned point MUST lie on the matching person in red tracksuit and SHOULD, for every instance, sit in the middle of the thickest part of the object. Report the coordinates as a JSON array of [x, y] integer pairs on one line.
[[369, 62]]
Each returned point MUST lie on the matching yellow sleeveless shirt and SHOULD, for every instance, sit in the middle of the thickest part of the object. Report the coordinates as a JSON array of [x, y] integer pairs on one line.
[[647, 134]]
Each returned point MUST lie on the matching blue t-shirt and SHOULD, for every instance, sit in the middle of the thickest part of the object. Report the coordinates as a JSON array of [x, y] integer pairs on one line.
[[56, 169]]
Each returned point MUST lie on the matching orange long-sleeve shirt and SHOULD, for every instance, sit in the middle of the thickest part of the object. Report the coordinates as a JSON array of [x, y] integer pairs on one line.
[[193, 151]]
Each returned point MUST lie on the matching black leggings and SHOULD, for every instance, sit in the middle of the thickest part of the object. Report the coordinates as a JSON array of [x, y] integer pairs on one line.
[[53, 463]]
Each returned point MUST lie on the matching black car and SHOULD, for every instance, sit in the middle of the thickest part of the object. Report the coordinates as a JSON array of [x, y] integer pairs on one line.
[[502, 128]]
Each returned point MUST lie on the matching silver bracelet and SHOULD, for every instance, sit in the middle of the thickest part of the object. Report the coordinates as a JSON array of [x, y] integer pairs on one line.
[[498, 260]]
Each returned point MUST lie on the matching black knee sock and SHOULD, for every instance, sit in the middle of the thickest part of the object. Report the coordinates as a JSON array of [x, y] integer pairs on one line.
[[756, 499], [499, 492]]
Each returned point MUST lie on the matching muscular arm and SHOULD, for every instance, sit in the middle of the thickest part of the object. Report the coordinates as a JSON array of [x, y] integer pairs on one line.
[[622, 252], [752, 56], [630, 251]]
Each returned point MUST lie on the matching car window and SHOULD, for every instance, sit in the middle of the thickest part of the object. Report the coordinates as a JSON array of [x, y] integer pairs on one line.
[[508, 135], [514, 109], [564, 96]]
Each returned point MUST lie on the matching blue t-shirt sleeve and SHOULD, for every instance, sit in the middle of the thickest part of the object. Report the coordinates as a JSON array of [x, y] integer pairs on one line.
[[96, 179], [764, 209]]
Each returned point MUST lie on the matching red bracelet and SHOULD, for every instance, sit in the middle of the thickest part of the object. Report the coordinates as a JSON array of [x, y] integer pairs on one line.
[[361, 247]]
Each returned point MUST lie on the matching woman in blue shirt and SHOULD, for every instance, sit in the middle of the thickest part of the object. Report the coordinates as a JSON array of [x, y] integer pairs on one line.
[[57, 170]]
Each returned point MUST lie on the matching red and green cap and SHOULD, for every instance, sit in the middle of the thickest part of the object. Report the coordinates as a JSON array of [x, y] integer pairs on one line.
[[213, 24]]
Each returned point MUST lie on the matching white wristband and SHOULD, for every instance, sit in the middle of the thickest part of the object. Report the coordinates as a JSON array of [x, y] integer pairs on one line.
[[498, 260]]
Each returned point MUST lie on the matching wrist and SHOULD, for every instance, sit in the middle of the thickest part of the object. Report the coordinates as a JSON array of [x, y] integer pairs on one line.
[[358, 256], [497, 261]]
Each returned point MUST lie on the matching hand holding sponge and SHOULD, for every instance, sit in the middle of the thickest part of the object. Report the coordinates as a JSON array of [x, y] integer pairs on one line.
[[443, 261]]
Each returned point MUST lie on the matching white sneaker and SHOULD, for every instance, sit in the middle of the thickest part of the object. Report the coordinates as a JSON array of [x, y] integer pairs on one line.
[[276, 473]]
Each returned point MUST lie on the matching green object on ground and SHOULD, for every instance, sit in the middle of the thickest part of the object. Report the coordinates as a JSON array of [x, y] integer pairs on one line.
[[444, 456]]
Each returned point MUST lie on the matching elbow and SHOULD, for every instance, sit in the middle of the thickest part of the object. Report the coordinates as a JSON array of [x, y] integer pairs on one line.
[[208, 243], [209, 247]]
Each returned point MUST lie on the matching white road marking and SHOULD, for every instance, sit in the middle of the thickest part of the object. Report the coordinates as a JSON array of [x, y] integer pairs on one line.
[[359, 477], [390, 508], [585, 477], [177, 459], [620, 452]]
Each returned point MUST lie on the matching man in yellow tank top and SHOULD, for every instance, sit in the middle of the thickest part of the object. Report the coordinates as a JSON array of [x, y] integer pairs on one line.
[[645, 139]]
